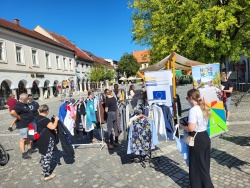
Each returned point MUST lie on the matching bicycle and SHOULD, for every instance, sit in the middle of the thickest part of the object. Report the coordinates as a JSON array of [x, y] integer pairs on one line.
[[3, 156]]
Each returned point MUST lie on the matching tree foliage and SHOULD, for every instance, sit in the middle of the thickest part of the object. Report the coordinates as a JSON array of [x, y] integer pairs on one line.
[[100, 73], [128, 65], [204, 30]]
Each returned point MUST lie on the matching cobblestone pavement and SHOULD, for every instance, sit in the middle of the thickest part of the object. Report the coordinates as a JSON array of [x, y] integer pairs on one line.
[[230, 162]]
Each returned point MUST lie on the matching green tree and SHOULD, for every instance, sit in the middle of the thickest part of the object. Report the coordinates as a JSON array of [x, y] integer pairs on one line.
[[208, 31], [100, 73], [128, 65]]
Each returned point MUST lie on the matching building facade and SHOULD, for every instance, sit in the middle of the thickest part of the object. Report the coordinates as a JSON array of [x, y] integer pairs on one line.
[[31, 62], [142, 57]]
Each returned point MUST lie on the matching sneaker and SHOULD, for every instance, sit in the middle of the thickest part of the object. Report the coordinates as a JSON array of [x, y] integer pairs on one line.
[[227, 122], [50, 177], [10, 129], [116, 144], [26, 156], [30, 151]]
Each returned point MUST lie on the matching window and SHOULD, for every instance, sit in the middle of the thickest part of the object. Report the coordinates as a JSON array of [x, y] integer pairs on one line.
[[58, 66], [65, 64], [19, 55], [70, 65], [47, 59], [34, 58], [2, 52]]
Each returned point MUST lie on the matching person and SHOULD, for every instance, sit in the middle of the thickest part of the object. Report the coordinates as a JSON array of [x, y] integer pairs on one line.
[[47, 141], [144, 96], [90, 113], [228, 89], [110, 109], [33, 105], [199, 154], [72, 85], [116, 92], [24, 116], [10, 104], [132, 95]]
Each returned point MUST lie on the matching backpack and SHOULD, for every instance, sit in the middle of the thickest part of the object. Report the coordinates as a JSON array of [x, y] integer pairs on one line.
[[32, 130]]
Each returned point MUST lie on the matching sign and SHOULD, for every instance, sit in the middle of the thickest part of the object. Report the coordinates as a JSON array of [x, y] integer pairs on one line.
[[206, 78], [159, 87], [37, 75]]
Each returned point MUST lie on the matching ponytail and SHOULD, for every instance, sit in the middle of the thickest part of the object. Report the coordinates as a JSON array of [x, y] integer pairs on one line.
[[205, 110]]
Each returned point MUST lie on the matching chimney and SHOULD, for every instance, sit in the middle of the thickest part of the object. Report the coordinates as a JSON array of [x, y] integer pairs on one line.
[[16, 21]]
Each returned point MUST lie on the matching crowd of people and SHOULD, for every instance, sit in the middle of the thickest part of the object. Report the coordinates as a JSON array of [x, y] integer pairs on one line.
[[26, 110]]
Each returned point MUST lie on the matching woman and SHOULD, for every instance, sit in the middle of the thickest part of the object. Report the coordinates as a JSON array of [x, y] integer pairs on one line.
[[46, 143], [110, 108], [199, 157], [91, 116], [132, 95], [116, 92]]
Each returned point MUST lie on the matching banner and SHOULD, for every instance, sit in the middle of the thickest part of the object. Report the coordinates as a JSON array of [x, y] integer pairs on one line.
[[159, 87], [206, 78]]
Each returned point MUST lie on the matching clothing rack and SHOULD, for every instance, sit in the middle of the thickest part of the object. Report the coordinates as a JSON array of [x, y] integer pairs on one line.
[[102, 143]]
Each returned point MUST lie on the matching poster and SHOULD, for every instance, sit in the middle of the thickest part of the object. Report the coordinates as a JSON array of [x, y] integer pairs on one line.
[[159, 87], [206, 78]]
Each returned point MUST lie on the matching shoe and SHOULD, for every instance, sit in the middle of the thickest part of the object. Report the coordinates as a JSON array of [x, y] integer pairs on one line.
[[110, 147], [227, 122], [50, 177], [10, 129], [116, 144], [30, 151], [26, 156]]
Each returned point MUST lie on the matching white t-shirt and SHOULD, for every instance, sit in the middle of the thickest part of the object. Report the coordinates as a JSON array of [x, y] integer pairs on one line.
[[195, 116]]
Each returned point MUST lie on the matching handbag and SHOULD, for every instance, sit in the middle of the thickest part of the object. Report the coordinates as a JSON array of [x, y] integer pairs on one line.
[[189, 139]]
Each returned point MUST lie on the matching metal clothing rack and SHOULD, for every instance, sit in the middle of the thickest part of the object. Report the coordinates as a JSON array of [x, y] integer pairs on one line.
[[102, 143]]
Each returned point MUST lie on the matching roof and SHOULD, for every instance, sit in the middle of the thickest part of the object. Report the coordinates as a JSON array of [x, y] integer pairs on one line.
[[30, 33], [79, 53], [181, 63], [98, 59], [142, 56]]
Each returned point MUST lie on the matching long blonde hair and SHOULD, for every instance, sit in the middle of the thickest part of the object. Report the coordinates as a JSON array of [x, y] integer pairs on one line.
[[196, 96]]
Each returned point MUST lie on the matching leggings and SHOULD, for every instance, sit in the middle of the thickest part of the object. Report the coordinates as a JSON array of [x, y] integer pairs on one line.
[[46, 160]]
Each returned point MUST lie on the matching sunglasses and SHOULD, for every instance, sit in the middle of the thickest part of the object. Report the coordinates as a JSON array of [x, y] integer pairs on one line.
[[186, 98]]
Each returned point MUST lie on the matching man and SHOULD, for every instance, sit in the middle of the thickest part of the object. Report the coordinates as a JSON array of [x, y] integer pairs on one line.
[[24, 116], [33, 105], [116, 92], [10, 104], [228, 89]]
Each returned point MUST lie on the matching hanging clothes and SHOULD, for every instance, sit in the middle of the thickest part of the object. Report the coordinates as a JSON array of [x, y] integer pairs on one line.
[[100, 113], [90, 115], [178, 101], [168, 121], [156, 114], [142, 136], [80, 112], [69, 122], [62, 111]]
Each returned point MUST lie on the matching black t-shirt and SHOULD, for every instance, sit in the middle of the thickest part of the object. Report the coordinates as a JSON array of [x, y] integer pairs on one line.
[[24, 111], [34, 108], [45, 134], [227, 85], [111, 104]]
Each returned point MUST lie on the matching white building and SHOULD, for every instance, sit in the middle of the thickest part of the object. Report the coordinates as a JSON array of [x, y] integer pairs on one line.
[[83, 61], [31, 62]]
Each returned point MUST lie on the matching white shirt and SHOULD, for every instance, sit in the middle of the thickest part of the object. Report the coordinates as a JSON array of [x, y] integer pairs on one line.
[[195, 116]]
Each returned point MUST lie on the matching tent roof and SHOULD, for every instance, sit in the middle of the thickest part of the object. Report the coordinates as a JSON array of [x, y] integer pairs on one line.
[[181, 63]]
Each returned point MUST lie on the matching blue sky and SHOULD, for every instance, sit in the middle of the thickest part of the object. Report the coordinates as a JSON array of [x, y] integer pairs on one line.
[[100, 26]]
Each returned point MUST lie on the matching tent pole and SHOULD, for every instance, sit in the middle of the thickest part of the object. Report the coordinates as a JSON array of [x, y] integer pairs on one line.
[[174, 88], [141, 75]]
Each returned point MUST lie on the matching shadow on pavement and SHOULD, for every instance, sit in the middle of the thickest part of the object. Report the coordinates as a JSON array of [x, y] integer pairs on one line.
[[171, 168], [239, 140], [225, 159]]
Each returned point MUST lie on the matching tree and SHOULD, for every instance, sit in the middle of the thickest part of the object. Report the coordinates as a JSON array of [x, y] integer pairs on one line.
[[208, 31], [100, 73], [128, 65]]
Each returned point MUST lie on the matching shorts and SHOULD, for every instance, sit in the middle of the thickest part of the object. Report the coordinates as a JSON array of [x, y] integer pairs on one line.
[[23, 132], [13, 118], [227, 104]]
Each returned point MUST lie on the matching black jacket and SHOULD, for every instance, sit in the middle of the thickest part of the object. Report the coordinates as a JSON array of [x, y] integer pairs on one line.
[[66, 139]]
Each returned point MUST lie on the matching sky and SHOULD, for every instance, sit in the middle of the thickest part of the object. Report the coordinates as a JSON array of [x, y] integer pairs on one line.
[[102, 27]]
